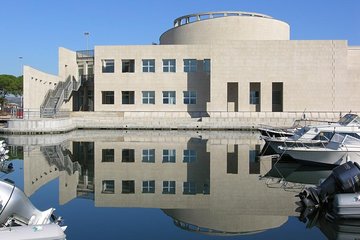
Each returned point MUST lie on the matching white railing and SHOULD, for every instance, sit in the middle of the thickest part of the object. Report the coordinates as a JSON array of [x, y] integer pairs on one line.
[[209, 15]]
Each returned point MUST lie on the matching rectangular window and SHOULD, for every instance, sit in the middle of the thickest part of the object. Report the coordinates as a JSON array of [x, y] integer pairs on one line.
[[190, 65], [108, 155], [206, 65], [128, 97], [148, 65], [169, 155], [108, 186], [148, 186], [128, 155], [81, 70], [254, 163], [128, 65], [90, 69], [189, 188], [206, 189], [148, 97], [148, 155], [254, 93], [169, 97], [277, 96], [128, 186], [107, 97], [108, 65], [254, 97], [189, 97], [168, 187], [232, 164], [169, 65], [189, 156]]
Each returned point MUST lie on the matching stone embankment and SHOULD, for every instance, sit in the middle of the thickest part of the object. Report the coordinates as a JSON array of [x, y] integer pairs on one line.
[[160, 121]]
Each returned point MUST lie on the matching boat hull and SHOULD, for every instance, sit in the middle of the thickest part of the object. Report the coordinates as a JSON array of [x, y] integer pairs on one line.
[[323, 156], [346, 205], [48, 231]]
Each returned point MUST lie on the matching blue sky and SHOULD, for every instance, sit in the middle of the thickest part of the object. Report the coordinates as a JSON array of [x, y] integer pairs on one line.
[[34, 29]]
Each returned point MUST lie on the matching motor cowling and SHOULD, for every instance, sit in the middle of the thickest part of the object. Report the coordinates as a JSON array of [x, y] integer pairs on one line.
[[343, 179]]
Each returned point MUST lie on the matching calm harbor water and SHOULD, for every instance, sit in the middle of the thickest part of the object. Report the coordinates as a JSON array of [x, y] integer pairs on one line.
[[165, 185]]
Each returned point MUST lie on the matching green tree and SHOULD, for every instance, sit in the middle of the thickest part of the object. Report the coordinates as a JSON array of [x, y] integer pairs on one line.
[[10, 84]]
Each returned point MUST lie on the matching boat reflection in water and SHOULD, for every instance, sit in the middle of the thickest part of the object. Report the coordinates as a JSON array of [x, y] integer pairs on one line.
[[208, 182]]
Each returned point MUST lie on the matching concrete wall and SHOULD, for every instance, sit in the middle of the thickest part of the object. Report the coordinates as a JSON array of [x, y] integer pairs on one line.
[[315, 69], [67, 67], [158, 81], [313, 73], [213, 30], [36, 84]]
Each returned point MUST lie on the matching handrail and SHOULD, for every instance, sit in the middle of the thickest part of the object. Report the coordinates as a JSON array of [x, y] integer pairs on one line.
[[208, 15], [47, 96], [55, 98]]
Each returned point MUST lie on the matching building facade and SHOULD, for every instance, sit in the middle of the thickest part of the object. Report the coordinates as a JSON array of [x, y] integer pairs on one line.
[[207, 63]]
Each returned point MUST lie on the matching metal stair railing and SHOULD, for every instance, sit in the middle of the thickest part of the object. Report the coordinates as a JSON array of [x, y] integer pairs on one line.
[[55, 98], [55, 156]]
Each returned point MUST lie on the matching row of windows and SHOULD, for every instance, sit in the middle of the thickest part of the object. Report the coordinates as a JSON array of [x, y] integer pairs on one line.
[[148, 97], [148, 186], [148, 65], [148, 155]]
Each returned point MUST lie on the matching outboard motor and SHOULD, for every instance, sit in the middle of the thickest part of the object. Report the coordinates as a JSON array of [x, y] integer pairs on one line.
[[343, 179], [16, 208]]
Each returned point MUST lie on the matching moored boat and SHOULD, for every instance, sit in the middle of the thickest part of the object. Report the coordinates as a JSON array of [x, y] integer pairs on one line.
[[314, 135], [19, 219], [340, 149]]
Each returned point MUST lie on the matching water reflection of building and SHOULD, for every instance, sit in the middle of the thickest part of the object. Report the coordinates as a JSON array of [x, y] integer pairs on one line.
[[208, 182], [47, 158]]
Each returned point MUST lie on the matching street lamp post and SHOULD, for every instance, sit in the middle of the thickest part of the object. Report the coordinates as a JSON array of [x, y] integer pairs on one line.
[[21, 65], [22, 94], [87, 40]]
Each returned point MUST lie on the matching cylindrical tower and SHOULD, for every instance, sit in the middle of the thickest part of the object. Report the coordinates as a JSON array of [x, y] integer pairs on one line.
[[217, 27]]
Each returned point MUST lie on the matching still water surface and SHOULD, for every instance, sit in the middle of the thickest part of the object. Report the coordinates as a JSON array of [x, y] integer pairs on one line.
[[165, 185]]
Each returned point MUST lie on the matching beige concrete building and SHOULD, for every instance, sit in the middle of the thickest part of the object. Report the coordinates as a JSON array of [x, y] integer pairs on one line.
[[209, 65]]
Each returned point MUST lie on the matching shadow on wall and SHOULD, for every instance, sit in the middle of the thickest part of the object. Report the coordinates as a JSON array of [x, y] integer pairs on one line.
[[198, 87]]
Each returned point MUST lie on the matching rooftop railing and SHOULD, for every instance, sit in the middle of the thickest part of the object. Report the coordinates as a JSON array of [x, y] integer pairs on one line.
[[208, 15], [84, 54]]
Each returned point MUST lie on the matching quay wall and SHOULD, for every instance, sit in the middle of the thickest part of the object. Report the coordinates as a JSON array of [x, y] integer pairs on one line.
[[164, 121]]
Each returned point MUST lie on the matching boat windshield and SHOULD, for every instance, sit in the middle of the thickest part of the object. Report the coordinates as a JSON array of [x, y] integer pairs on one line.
[[345, 139], [299, 132], [325, 136], [349, 118]]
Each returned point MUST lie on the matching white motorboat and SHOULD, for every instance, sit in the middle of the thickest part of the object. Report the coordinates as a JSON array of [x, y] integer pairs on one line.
[[341, 148], [315, 135], [19, 219]]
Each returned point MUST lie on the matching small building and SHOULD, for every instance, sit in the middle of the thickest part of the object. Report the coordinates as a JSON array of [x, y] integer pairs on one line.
[[208, 63]]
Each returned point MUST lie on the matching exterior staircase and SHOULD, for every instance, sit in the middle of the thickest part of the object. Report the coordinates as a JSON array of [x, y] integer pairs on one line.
[[56, 97], [59, 157]]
